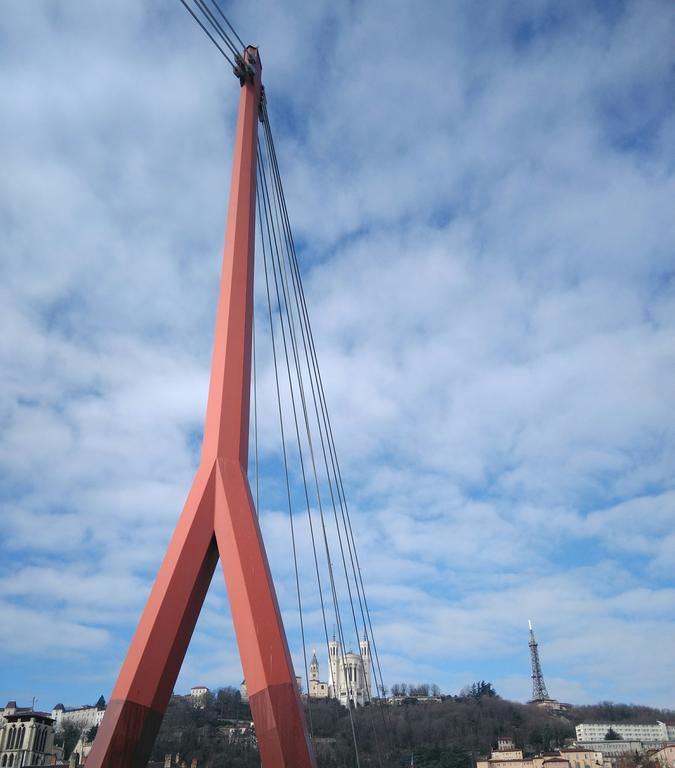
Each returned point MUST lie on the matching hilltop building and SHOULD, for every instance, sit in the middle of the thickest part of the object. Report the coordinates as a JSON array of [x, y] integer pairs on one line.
[[508, 756], [613, 750], [644, 732], [26, 737], [636, 739], [349, 675], [82, 718], [317, 689], [197, 694]]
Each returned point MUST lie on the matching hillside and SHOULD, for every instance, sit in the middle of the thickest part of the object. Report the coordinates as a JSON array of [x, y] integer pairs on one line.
[[448, 734]]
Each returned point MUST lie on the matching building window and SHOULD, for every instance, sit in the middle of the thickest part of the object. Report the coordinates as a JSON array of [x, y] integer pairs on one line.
[[4, 761]]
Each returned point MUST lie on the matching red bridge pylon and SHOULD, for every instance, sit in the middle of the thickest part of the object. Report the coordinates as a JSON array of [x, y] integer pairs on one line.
[[218, 520]]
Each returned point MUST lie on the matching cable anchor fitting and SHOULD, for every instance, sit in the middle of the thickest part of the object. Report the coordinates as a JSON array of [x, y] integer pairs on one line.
[[246, 66], [262, 107]]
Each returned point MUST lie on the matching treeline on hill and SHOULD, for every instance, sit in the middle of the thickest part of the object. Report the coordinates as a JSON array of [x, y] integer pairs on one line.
[[446, 734], [608, 712]]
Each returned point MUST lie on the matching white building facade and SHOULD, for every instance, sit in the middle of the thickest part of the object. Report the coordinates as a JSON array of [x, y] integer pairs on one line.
[[197, 691], [349, 675], [645, 732], [82, 718]]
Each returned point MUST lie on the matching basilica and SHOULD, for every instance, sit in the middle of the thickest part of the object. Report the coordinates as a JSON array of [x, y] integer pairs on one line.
[[348, 675]]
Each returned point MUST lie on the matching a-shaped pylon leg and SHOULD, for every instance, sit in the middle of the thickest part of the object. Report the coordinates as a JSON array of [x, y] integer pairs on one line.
[[218, 520], [145, 683], [270, 680]]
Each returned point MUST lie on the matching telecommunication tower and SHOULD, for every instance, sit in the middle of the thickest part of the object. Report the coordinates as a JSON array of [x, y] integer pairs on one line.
[[539, 692]]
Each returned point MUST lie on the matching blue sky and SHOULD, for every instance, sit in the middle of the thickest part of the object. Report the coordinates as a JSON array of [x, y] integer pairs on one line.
[[483, 194]]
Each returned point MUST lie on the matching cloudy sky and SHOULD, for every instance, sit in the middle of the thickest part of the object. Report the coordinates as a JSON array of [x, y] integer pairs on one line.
[[483, 195]]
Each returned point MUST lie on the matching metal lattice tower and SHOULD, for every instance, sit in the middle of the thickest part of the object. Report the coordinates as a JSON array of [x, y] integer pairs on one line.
[[539, 692]]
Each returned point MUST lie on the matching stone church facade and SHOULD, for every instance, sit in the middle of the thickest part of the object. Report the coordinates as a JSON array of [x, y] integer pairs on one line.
[[349, 675]]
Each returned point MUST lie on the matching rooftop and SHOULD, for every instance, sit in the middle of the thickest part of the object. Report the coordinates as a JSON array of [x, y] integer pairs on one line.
[[28, 713]]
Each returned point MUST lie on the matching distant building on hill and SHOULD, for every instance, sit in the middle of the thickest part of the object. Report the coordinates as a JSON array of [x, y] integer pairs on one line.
[[83, 718], [242, 733], [317, 688], [645, 732], [508, 756], [400, 699], [613, 750], [197, 694], [348, 675]]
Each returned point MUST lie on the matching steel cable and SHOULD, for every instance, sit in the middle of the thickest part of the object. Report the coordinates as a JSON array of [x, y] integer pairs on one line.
[[217, 26], [297, 283], [273, 242], [330, 478], [352, 683], [209, 35], [283, 443], [224, 17]]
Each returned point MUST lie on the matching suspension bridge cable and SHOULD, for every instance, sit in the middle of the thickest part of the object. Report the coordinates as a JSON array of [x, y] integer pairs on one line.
[[234, 31], [274, 242], [362, 660], [210, 36], [285, 312], [286, 473], [344, 511], [290, 314], [297, 283], [341, 492], [217, 26], [297, 430], [360, 655]]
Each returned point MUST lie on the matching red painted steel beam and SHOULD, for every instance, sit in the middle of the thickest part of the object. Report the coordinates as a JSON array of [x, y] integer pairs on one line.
[[218, 520]]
